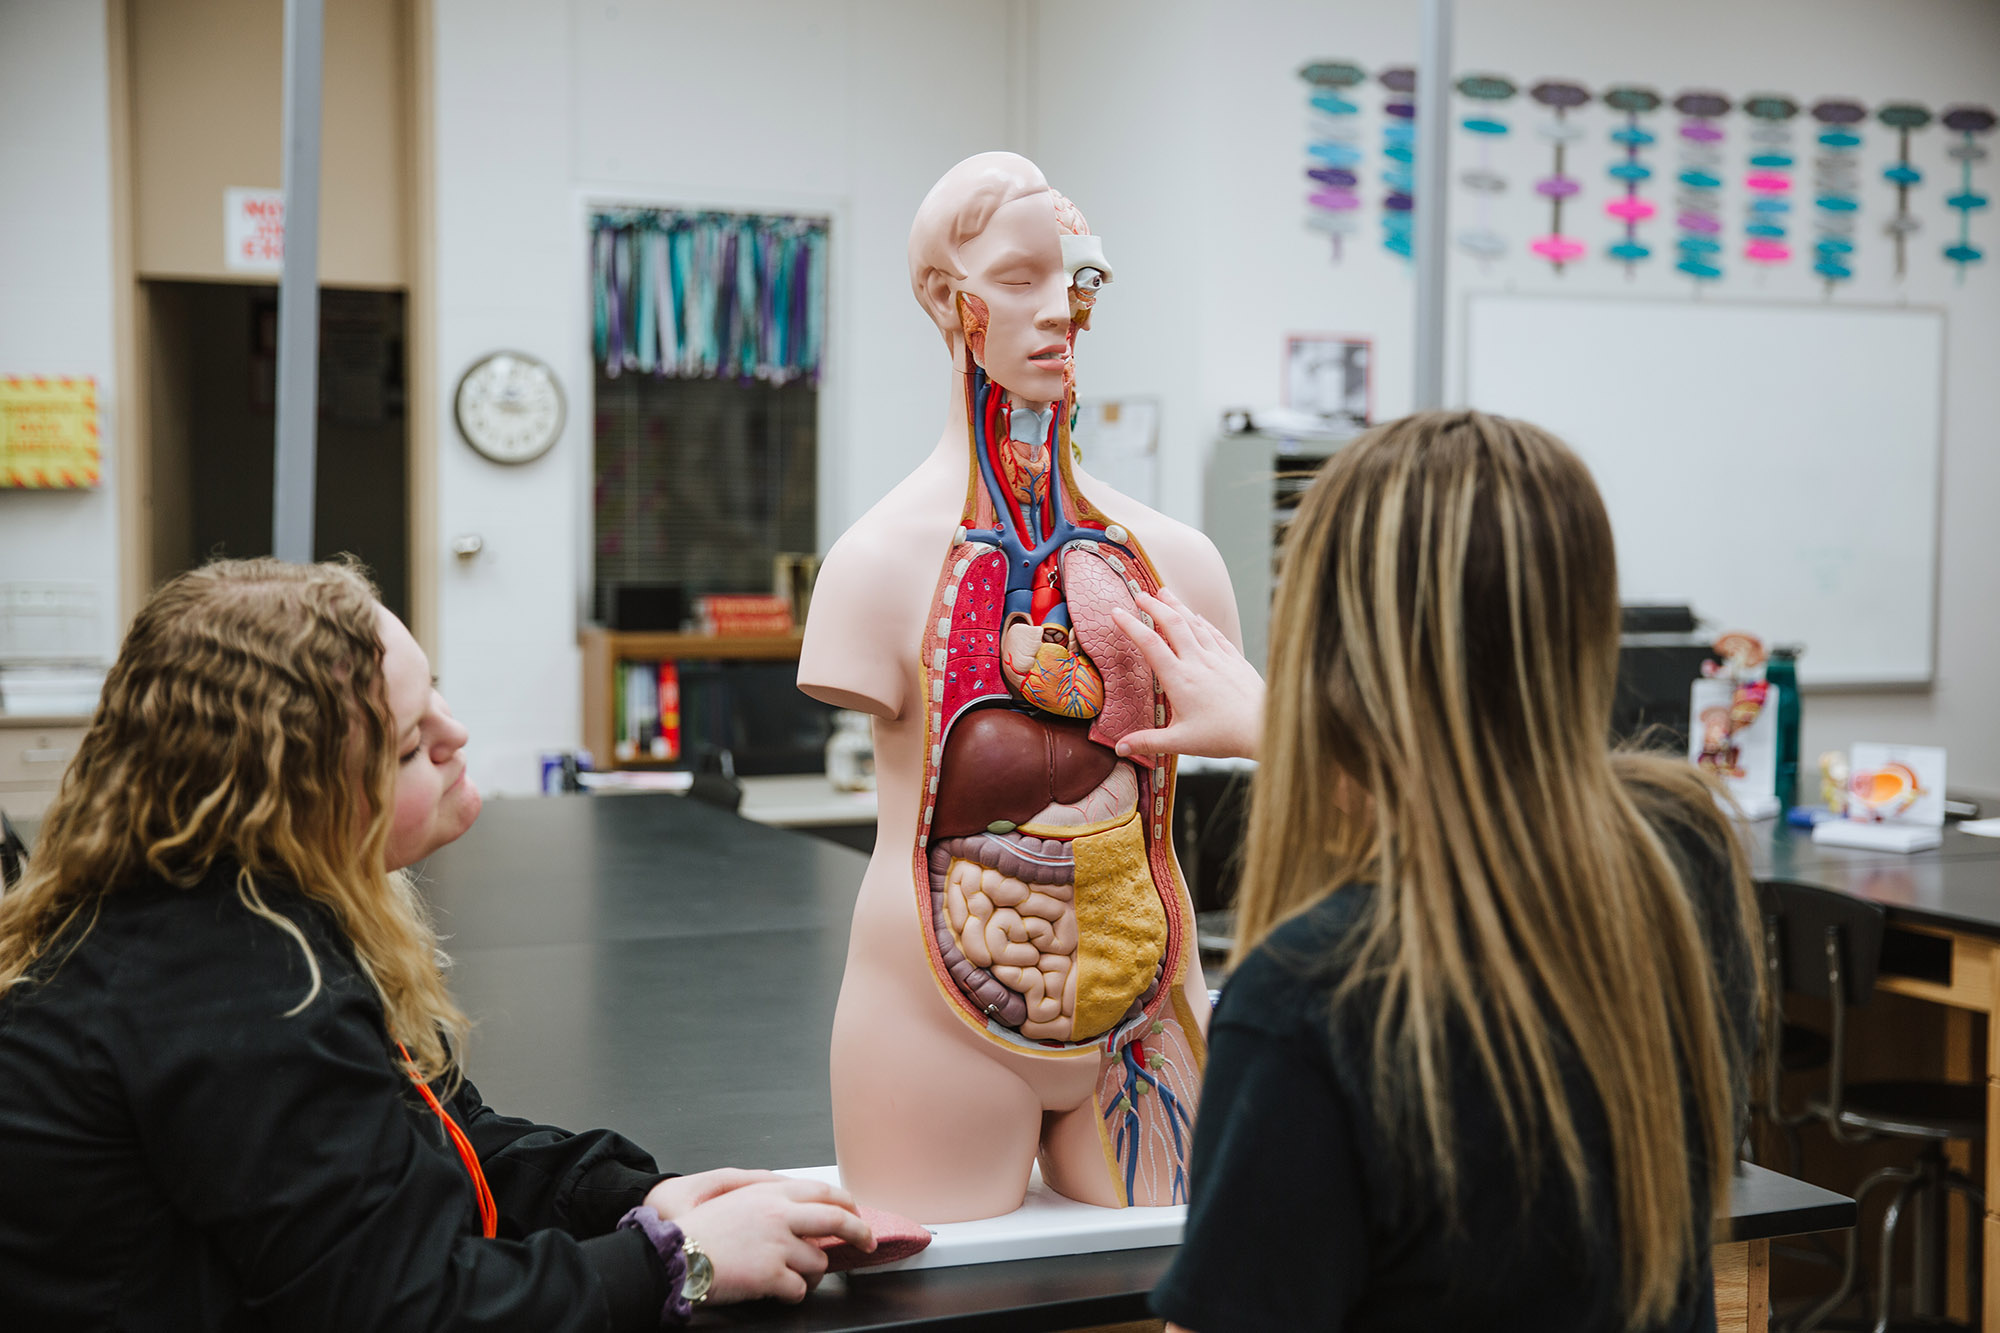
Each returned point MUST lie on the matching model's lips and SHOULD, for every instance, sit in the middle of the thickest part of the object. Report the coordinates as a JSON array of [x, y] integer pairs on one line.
[[458, 781], [1053, 352]]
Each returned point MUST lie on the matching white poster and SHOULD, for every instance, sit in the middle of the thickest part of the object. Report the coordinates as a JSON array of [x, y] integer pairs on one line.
[[1120, 440], [253, 230]]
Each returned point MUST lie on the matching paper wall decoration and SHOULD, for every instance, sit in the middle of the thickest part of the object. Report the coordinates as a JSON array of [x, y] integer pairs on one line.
[[1969, 122], [1836, 187], [1698, 203], [1486, 127], [708, 295], [1769, 179], [1333, 149], [1399, 156], [1783, 208], [48, 432], [1903, 117], [1631, 171], [1561, 98]]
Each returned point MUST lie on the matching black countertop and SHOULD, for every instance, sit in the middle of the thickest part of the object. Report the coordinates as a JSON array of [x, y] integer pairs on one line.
[[1955, 886], [663, 968]]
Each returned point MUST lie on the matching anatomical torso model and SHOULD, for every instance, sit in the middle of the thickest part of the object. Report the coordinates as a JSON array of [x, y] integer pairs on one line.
[[1021, 979]]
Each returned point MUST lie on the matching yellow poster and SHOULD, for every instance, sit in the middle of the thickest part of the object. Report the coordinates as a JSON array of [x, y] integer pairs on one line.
[[48, 431]]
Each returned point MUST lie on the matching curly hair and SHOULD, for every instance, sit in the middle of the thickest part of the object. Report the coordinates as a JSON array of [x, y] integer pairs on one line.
[[244, 725]]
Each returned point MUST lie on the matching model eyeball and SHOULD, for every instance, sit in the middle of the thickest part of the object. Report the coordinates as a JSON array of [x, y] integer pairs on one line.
[[1087, 281]]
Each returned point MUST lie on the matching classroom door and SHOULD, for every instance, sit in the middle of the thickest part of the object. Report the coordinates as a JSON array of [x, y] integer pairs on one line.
[[212, 354]]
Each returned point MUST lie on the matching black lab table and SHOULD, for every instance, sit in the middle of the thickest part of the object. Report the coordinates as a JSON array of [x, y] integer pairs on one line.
[[657, 966]]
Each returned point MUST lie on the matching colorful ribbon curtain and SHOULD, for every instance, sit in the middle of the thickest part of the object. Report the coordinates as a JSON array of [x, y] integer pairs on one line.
[[708, 295]]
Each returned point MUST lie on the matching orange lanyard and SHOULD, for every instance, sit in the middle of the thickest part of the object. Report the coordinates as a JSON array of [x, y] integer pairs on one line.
[[489, 1212]]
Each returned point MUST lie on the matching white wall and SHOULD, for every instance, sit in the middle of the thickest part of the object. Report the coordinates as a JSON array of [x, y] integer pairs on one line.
[[1185, 147], [1177, 126], [55, 280], [542, 108]]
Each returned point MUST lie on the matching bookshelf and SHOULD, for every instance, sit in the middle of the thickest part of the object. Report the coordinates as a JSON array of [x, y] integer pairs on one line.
[[1252, 489], [605, 651]]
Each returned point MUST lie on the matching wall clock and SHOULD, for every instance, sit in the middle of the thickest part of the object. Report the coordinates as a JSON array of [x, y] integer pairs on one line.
[[509, 406]]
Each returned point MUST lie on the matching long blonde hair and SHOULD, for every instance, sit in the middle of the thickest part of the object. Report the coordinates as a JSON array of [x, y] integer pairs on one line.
[[245, 702], [1445, 645]]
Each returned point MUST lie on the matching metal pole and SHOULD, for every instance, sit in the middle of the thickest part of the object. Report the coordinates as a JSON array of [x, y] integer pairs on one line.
[[1432, 251], [298, 288]]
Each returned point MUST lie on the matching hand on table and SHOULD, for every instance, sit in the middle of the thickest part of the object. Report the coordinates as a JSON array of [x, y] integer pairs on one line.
[[759, 1235], [681, 1194], [1217, 696]]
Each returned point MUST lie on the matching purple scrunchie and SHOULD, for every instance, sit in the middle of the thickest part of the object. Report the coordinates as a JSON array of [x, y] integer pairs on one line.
[[667, 1241]]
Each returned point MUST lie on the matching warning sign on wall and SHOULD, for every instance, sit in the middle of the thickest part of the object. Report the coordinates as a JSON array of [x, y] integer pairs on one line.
[[253, 230], [48, 431]]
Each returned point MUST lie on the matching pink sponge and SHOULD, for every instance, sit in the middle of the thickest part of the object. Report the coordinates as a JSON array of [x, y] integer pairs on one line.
[[895, 1238]]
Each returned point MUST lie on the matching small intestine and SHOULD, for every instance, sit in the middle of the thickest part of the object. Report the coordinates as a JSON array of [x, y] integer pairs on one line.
[[1004, 911]]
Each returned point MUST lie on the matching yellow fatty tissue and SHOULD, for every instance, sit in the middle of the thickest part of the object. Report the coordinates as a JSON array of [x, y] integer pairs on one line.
[[1121, 926]]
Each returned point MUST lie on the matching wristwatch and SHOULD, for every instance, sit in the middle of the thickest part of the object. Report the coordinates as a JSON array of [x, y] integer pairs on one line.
[[700, 1272]]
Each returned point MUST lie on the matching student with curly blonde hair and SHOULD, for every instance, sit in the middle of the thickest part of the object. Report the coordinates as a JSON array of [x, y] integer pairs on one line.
[[1481, 1062], [229, 1082]]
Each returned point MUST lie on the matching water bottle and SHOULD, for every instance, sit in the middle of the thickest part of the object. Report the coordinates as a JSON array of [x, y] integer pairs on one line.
[[1782, 674]]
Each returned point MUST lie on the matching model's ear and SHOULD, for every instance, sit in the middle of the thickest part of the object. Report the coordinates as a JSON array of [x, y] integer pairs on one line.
[[973, 318], [935, 293]]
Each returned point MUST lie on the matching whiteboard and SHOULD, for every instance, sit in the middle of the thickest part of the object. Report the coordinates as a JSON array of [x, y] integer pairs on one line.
[[1774, 466]]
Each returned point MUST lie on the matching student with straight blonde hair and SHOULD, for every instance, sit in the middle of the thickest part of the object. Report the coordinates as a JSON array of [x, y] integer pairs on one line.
[[230, 1092], [1481, 1062]]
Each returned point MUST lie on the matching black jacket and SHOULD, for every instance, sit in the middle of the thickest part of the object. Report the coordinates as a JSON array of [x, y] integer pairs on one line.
[[1301, 1214], [177, 1152]]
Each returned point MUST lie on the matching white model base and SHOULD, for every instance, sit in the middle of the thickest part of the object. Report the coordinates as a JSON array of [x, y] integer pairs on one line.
[[1757, 805], [1877, 837], [1045, 1224]]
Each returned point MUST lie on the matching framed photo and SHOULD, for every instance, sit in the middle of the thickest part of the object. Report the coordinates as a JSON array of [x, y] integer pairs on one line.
[[1331, 375]]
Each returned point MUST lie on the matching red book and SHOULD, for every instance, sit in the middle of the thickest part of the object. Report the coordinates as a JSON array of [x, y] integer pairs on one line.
[[667, 745], [745, 613]]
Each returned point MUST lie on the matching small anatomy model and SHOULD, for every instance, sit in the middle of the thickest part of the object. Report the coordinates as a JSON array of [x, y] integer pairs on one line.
[[1883, 792], [1021, 979], [1739, 659]]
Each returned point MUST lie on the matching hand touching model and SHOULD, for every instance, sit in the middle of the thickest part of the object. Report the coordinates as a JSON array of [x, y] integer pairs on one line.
[[1217, 696], [756, 1227]]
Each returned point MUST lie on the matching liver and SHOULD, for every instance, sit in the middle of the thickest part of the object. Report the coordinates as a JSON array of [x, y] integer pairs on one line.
[[662, 967]]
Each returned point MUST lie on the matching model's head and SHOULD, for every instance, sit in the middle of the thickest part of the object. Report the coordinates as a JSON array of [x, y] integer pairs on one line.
[[275, 720], [1445, 641], [1008, 271]]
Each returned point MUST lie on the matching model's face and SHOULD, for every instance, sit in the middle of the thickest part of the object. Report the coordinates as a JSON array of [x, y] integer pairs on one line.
[[1015, 270], [434, 800]]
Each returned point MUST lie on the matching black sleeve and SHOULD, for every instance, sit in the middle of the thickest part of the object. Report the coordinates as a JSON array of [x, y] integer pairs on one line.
[[1706, 872], [542, 1176], [285, 1138], [1276, 1227]]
